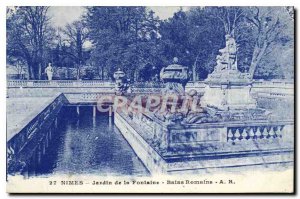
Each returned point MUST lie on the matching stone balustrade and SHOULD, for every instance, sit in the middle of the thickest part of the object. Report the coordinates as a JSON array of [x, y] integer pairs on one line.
[[58, 83], [145, 90], [87, 97], [245, 133], [96, 83], [260, 89], [274, 83]]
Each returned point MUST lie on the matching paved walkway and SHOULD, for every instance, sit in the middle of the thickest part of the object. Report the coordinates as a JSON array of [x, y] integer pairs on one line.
[[20, 111]]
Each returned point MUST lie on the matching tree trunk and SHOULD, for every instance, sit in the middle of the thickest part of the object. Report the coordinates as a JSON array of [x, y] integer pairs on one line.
[[256, 58], [29, 70], [78, 72], [194, 68], [40, 72], [194, 72], [34, 70]]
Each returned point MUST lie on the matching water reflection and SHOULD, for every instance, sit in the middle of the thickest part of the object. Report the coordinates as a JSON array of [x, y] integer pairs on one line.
[[89, 145]]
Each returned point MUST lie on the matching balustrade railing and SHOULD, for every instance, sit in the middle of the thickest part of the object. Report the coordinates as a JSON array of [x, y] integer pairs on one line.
[[236, 134], [73, 83], [58, 83], [199, 84], [147, 85], [274, 83], [270, 89]]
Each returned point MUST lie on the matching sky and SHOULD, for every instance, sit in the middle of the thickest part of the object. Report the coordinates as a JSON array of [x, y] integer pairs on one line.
[[63, 15]]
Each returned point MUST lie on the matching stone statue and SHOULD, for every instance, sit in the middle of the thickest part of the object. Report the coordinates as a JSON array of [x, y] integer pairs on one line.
[[227, 58], [226, 69], [232, 52], [226, 87], [121, 85], [49, 71]]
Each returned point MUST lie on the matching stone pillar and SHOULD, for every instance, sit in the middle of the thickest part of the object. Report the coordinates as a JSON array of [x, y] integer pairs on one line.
[[94, 122], [110, 110], [94, 111], [223, 134], [77, 110], [109, 122]]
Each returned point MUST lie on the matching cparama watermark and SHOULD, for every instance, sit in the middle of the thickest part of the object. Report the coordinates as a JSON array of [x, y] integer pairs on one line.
[[149, 103]]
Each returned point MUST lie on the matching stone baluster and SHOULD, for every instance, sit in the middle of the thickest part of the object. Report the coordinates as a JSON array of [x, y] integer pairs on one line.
[[251, 133], [230, 135], [30, 84], [237, 134], [244, 134], [271, 132], [279, 131], [247, 133], [259, 133], [265, 133]]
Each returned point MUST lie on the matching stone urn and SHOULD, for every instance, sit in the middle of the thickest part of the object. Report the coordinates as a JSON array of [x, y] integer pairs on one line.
[[175, 77], [121, 84]]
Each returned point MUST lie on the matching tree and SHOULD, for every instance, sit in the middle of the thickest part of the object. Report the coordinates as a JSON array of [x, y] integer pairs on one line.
[[76, 36], [122, 37], [271, 26], [28, 34], [259, 33], [194, 36], [230, 17], [18, 66]]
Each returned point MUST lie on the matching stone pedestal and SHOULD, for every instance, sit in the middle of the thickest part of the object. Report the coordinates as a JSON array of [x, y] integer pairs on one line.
[[226, 97], [228, 90]]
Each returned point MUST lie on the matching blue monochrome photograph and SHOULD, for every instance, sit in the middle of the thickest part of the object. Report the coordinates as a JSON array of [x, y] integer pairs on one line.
[[150, 99]]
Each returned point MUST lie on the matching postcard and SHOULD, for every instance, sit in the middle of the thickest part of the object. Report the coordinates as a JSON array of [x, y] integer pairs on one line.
[[150, 99]]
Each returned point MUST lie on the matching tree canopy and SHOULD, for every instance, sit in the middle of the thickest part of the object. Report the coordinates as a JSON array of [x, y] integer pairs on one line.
[[137, 41]]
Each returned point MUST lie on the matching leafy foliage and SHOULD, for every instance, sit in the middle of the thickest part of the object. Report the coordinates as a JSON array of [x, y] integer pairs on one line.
[[123, 37], [29, 36], [138, 42]]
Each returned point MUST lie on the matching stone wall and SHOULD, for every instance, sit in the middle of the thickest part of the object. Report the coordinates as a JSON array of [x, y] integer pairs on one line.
[[27, 146], [151, 158], [238, 144]]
